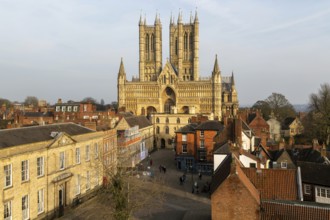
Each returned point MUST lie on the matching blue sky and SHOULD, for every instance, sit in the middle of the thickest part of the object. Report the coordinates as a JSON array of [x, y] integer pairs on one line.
[[71, 49]]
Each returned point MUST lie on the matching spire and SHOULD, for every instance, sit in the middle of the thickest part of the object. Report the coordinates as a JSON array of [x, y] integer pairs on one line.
[[171, 21], [145, 19], [157, 20], [121, 69], [180, 17], [196, 16], [140, 22], [216, 68], [191, 18], [232, 79]]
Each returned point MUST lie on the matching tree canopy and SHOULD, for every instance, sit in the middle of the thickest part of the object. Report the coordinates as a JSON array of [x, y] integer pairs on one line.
[[89, 99], [31, 100], [319, 115], [276, 103]]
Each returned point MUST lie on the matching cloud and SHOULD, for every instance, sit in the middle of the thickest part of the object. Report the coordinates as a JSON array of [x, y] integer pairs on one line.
[[290, 24]]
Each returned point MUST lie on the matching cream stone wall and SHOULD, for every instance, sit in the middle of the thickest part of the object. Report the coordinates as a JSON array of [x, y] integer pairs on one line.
[[54, 177], [173, 122]]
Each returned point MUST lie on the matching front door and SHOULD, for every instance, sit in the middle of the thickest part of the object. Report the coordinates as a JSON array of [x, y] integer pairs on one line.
[[61, 201], [162, 144]]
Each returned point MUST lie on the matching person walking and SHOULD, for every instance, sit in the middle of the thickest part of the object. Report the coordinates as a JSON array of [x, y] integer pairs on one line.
[[160, 168]]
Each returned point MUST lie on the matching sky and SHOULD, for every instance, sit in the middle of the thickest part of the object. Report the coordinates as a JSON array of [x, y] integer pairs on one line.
[[71, 49]]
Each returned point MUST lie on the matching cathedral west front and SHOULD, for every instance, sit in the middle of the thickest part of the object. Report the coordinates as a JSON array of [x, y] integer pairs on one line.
[[175, 87]]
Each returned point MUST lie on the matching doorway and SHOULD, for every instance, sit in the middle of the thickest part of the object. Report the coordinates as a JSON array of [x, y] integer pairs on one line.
[[61, 200], [162, 143]]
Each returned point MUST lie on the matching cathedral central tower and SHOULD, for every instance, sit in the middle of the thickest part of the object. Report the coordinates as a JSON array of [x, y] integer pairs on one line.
[[184, 46]]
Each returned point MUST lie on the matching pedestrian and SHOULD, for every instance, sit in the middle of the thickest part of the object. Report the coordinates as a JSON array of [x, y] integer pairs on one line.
[[184, 177], [181, 180], [150, 162], [160, 168], [164, 169], [192, 190], [200, 176]]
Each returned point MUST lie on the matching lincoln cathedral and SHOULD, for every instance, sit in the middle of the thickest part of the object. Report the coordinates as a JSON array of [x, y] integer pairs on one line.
[[175, 87]]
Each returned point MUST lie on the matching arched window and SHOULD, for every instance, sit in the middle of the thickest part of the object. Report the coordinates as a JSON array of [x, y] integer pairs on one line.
[[178, 120], [157, 120], [147, 43], [176, 46], [185, 41], [189, 120], [157, 130], [167, 120], [152, 43], [167, 130]]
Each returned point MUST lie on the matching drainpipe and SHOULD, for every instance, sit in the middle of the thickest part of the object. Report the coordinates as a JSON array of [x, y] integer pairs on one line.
[[299, 183]]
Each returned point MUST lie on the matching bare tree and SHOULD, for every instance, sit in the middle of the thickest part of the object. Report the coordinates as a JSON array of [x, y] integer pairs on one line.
[[89, 99], [320, 112], [31, 100], [128, 190], [277, 103]]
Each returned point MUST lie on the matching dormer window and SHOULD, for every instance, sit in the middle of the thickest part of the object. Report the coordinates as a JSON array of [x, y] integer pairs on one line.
[[284, 165]]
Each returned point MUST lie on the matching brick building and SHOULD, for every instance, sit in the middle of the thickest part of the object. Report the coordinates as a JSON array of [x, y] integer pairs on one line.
[[195, 145]]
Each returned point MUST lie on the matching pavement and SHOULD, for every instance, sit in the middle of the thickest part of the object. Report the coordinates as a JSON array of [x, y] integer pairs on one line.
[[172, 176], [180, 203]]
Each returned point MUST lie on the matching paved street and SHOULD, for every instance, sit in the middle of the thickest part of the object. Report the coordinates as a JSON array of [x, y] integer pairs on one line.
[[180, 202]]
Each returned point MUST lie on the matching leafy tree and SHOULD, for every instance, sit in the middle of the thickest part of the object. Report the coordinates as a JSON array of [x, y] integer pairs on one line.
[[278, 104], [102, 102], [319, 114], [31, 100]]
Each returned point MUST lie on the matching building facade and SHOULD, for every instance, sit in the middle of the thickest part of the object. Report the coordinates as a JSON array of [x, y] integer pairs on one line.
[[177, 84], [46, 168]]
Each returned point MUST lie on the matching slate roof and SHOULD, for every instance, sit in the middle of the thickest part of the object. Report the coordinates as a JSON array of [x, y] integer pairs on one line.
[[222, 148], [189, 128], [251, 117], [221, 173], [28, 135], [141, 121], [309, 171], [287, 122], [210, 125], [274, 184], [38, 114], [297, 154]]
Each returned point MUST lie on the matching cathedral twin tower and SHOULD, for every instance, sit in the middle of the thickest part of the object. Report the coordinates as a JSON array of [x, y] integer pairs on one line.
[[175, 87]]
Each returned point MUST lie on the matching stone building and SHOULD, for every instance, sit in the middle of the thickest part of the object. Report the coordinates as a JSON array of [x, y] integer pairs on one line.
[[177, 84], [47, 168]]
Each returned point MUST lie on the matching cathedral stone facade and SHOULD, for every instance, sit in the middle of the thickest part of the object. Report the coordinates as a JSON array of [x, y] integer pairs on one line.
[[177, 86]]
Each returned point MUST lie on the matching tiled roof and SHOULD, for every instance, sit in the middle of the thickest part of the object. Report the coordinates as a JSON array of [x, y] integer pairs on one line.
[[189, 128], [20, 136], [274, 184], [210, 125], [296, 210], [222, 148], [309, 171], [141, 121]]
